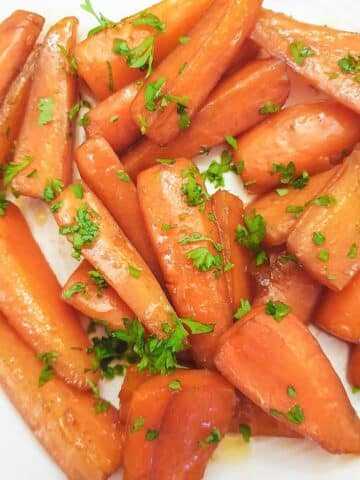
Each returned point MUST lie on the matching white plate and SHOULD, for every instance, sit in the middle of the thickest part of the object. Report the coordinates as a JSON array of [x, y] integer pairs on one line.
[[22, 458]]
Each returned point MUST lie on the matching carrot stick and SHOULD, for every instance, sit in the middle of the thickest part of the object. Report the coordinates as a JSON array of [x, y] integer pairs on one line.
[[314, 52], [280, 366], [248, 89], [353, 372], [273, 206], [95, 56], [18, 34], [228, 211], [95, 234], [214, 42], [177, 224], [100, 168], [338, 312], [314, 137], [45, 136], [13, 107], [83, 444], [327, 237], [99, 303], [30, 299]]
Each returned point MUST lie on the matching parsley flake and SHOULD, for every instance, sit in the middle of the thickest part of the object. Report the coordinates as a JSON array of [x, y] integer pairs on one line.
[[288, 175], [245, 431], [78, 287], [193, 191], [100, 405], [197, 237], [232, 141], [167, 226], [350, 64], [3, 204], [204, 260], [46, 110], [134, 272], [318, 238], [140, 57], [269, 108], [114, 118], [245, 307], [251, 236], [175, 385], [103, 21], [71, 60], [216, 170], [300, 52], [291, 391], [324, 255], [98, 280], [78, 190], [48, 359], [138, 424], [53, 188], [150, 20], [12, 169], [184, 40], [325, 201], [214, 437], [353, 251], [277, 310], [123, 176], [151, 435]]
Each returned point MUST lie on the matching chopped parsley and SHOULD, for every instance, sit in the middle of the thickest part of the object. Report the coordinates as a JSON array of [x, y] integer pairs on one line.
[[193, 191], [56, 206], [297, 210], [251, 236], [182, 68], [318, 238], [269, 108], [73, 112], [100, 405], [134, 271], [98, 280], [3, 204], [84, 121], [71, 60], [232, 141], [245, 431], [175, 385], [48, 359], [167, 226], [289, 257], [46, 110], [143, 124], [184, 40], [153, 94], [245, 307], [114, 118], [78, 190], [103, 21], [277, 310], [198, 237], [294, 415], [140, 57], [12, 169], [151, 435], [291, 391], [53, 188], [197, 328], [300, 52], [216, 170], [282, 192], [124, 177], [78, 287], [204, 260], [150, 20], [165, 161], [213, 437], [325, 201], [138, 424], [288, 175], [350, 64], [353, 251], [324, 255]]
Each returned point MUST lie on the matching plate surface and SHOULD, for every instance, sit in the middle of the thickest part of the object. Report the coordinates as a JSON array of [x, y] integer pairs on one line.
[[22, 458]]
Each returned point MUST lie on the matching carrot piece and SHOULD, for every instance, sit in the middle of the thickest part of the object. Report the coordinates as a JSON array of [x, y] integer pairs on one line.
[[353, 372], [13, 107], [228, 211], [105, 246], [185, 419], [286, 281], [314, 52], [215, 40], [273, 207], [104, 304], [338, 312], [95, 55], [132, 381], [314, 137], [18, 34], [280, 366], [45, 136], [83, 444], [170, 217], [100, 168], [334, 261], [30, 299], [248, 89]]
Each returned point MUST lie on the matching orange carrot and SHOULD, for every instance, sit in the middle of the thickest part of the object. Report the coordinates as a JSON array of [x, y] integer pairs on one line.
[[84, 444], [214, 42], [93, 301], [96, 57], [353, 372], [187, 244], [103, 172], [327, 237], [248, 89], [280, 366], [30, 299], [273, 206], [103, 244], [45, 136], [318, 53], [314, 137], [18, 34], [13, 107]]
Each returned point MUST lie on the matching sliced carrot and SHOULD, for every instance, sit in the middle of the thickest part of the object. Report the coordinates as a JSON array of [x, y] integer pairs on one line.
[[181, 429], [335, 260], [314, 52], [248, 89], [338, 312], [353, 372], [83, 444], [18, 34], [280, 366], [45, 136], [105, 246], [95, 55], [170, 219], [100, 304], [273, 206], [103, 172], [314, 137], [214, 42], [30, 297], [228, 211], [13, 107]]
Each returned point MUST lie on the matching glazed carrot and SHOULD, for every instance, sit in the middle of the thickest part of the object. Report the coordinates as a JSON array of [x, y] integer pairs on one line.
[[18, 34], [314, 52], [45, 136], [338, 312], [84, 444], [249, 88], [100, 168], [228, 210], [214, 42], [273, 206], [314, 137], [95, 56], [326, 238], [94, 302], [353, 371], [13, 107], [179, 422], [177, 223], [30, 297], [286, 281], [103, 244], [280, 366]]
